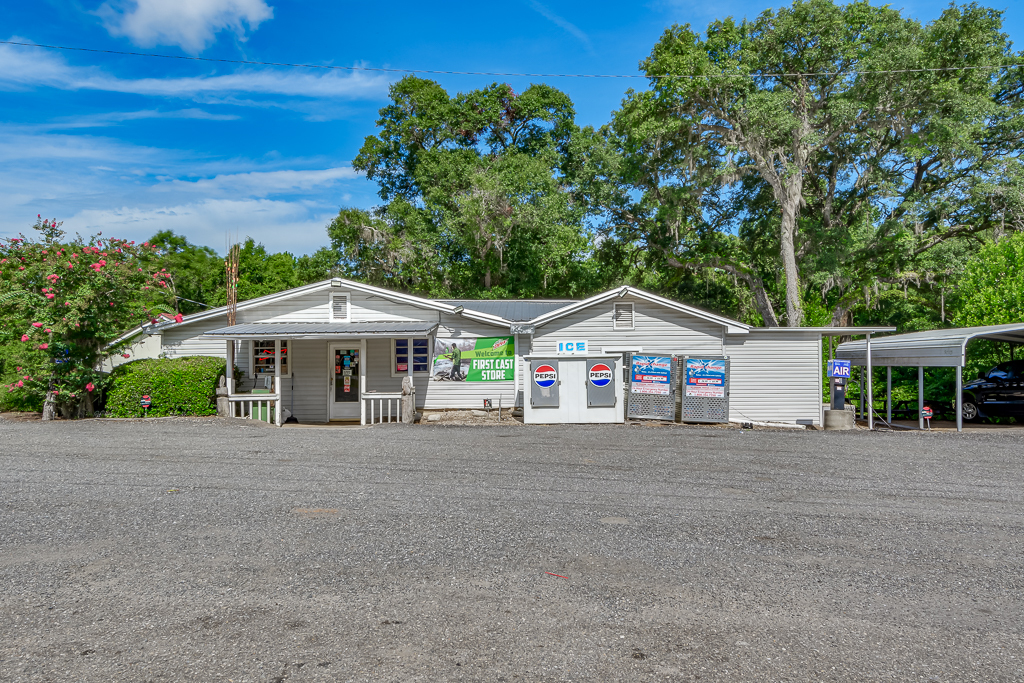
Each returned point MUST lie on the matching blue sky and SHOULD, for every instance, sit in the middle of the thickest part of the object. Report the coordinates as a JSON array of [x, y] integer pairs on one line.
[[131, 145]]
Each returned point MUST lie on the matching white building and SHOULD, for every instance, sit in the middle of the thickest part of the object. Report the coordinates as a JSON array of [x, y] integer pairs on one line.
[[346, 347]]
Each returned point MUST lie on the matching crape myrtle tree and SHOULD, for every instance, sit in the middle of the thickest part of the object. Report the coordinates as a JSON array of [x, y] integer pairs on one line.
[[485, 193], [70, 301], [819, 152]]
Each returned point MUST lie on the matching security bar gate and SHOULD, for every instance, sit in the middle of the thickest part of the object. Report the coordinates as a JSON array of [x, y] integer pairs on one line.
[[704, 390], [651, 383]]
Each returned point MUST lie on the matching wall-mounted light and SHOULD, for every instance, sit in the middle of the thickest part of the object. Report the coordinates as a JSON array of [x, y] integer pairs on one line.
[[623, 292], [458, 309]]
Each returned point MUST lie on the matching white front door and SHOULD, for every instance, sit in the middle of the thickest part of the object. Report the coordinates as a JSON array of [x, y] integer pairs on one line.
[[346, 369]]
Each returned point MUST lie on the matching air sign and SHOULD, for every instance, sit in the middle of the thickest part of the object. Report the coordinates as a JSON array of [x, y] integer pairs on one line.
[[839, 369]]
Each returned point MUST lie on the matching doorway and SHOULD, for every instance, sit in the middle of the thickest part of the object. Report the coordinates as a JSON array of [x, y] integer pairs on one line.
[[346, 364]]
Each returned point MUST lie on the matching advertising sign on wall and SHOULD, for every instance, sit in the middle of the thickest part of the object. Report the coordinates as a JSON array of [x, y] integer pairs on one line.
[[705, 378], [485, 359], [651, 375]]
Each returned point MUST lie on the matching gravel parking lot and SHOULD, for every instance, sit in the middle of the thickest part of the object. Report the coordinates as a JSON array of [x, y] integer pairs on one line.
[[208, 550]]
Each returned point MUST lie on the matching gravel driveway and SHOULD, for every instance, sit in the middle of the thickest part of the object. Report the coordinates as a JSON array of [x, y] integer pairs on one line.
[[208, 550]]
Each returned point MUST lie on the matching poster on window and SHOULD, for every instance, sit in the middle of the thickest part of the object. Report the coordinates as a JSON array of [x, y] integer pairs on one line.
[[486, 359], [652, 375], [705, 378]]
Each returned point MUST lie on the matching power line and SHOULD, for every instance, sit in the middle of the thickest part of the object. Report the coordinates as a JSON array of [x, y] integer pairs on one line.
[[439, 72]]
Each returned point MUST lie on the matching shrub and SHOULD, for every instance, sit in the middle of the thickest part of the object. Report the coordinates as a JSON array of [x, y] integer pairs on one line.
[[176, 386]]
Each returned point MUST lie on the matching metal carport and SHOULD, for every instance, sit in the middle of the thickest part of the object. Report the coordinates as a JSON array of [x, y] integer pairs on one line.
[[933, 348]]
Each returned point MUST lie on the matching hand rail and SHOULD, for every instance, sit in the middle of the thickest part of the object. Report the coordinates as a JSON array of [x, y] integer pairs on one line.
[[241, 405], [375, 405]]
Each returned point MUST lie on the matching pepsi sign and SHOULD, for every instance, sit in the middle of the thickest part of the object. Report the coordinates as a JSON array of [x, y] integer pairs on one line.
[[600, 375], [545, 376]]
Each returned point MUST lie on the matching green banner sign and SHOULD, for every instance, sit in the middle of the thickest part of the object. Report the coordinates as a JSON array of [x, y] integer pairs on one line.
[[486, 359]]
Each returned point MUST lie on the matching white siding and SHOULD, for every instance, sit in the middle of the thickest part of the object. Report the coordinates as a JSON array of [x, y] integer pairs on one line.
[[372, 308], [775, 377], [310, 375], [145, 346], [188, 340], [312, 307], [656, 328]]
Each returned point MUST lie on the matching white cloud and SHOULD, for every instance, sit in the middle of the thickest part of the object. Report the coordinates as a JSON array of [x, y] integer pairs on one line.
[[115, 117], [27, 67], [190, 24], [264, 183], [102, 184], [280, 225], [563, 24]]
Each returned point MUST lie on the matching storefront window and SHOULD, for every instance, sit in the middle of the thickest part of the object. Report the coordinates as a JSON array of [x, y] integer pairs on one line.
[[420, 356], [263, 357]]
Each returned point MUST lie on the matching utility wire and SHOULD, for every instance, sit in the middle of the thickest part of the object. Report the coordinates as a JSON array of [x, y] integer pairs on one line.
[[993, 67]]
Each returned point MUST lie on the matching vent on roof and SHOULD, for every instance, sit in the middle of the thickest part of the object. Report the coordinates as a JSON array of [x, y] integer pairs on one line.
[[339, 307], [622, 317]]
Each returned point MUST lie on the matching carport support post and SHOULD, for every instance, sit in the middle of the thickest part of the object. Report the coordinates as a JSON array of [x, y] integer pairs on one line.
[[871, 398], [860, 393], [959, 398], [888, 394], [920, 397], [277, 382]]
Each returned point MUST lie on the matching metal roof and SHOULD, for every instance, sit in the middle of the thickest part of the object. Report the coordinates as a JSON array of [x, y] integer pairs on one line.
[[324, 329], [933, 348], [512, 310]]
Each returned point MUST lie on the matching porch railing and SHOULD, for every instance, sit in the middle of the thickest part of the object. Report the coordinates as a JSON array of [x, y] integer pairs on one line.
[[262, 407], [380, 407]]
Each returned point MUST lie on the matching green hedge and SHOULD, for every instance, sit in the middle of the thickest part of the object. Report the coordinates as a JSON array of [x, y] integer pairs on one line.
[[176, 386]]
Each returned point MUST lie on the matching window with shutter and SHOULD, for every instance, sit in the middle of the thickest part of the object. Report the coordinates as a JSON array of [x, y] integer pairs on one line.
[[339, 307], [622, 317]]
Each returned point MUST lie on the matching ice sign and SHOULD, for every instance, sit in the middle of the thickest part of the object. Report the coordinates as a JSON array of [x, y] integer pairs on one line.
[[572, 347]]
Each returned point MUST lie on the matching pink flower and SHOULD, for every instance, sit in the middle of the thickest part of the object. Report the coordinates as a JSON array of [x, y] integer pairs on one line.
[[178, 318], [20, 384], [48, 331], [24, 337], [43, 347], [111, 303], [89, 386], [21, 267], [37, 324], [70, 266], [50, 296], [103, 262], [126, 355], [26, 377], [44, 251]]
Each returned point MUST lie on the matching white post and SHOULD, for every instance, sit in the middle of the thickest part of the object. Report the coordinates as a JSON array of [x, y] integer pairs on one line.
[[411, 380], [861, 393], [871, 398], [959, 399], [230, 367], [362, 383], [920, 397], [888, 394], [277, 382]]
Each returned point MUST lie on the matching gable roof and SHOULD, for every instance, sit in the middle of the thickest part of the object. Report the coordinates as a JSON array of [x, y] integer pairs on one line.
[[731, 326], [420, 302]]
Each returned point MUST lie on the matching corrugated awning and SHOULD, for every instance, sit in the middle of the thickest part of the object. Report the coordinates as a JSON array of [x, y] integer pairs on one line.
[[323, 330], [932, 348]]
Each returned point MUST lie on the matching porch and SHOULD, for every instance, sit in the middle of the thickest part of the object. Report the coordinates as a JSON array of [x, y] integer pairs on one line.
[[325, 373]]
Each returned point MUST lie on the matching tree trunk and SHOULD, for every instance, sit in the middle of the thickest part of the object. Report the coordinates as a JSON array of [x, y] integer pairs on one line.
[[787, 247], [487, 280], [49, 407]]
